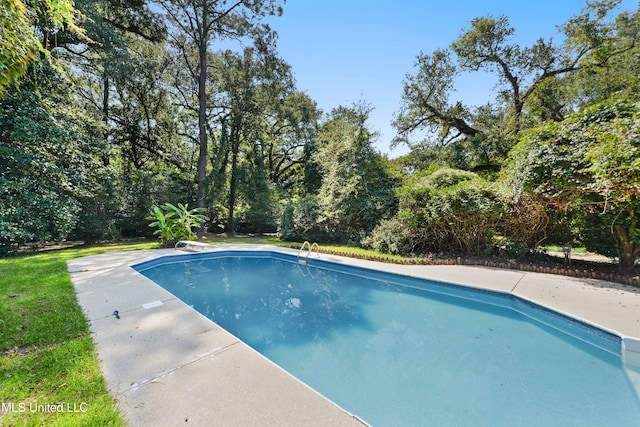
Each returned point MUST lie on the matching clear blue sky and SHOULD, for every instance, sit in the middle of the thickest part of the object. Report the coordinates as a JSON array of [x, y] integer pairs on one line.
[[343, 51]]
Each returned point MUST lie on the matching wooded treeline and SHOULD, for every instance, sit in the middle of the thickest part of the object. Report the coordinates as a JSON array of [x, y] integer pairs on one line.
[[118, 105]]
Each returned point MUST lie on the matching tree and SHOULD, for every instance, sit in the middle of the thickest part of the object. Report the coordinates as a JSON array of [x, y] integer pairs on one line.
[[620, 78], [144, 123], [592, 42], [50, 161], [128, 49], [21, 25], [259, 195], [32, 30], [259, 125], [291, 124], [193, 26], [120, 81], [588, 165], [237, 85], [356, 191]]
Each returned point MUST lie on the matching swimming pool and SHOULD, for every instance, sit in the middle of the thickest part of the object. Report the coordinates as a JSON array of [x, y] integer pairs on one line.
[[403, 351]]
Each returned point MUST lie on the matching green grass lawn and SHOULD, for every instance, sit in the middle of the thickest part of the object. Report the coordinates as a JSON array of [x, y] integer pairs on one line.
[[47, 356], [556, 248]]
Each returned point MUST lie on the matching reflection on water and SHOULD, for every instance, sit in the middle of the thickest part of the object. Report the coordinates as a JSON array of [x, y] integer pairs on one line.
[[266, 303]]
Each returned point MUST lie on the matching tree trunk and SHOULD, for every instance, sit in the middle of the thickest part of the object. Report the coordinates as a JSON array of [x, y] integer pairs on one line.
[[105, 116], [202, 128], [628, 250], [232, 188]]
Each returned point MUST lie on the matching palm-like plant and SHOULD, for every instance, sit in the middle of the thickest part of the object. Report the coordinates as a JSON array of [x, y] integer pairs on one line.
[[175, 223]]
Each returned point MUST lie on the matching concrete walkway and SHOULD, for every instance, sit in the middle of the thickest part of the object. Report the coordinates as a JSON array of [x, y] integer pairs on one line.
[[168, 365]]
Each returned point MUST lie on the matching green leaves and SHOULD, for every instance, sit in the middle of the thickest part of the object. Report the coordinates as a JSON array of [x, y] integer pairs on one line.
[[614, 161], [484, 44], [589, 165], [447, 210], [356, 191], [19, 43], [47, 162], [538, 82], [20, 25], [175, 223]]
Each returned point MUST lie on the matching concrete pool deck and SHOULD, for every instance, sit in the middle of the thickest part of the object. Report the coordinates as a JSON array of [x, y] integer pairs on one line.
[[168, 365]]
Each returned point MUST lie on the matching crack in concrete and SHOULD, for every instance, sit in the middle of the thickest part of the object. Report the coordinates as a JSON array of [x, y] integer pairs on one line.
[[518, 282], [136, 385]]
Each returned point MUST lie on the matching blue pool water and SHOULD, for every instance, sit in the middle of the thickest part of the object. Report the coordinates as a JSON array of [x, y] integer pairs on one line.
[[400, 351]]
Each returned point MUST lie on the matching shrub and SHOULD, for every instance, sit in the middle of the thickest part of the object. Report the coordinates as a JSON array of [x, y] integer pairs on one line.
[[299, 220], [391, 236], [175, 223], [446, 211], [588, 164]]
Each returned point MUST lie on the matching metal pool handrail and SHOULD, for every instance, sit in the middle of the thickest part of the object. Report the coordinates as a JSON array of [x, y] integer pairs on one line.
[[310, 248]]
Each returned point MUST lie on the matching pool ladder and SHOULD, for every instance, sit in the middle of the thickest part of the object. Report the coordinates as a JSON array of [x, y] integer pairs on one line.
[[310, 247]]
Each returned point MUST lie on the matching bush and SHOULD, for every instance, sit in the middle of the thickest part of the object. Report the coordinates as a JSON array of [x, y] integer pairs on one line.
[[100, 210], [530, 222], [588, 164], [391, 236], [175, 223], [299, 221], [446, 211], [446, 177]]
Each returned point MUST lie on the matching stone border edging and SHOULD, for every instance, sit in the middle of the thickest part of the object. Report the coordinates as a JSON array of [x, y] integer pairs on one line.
[[581, 273]]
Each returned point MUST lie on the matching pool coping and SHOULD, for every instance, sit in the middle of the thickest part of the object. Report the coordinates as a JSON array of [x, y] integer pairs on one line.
[[166, 364]]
